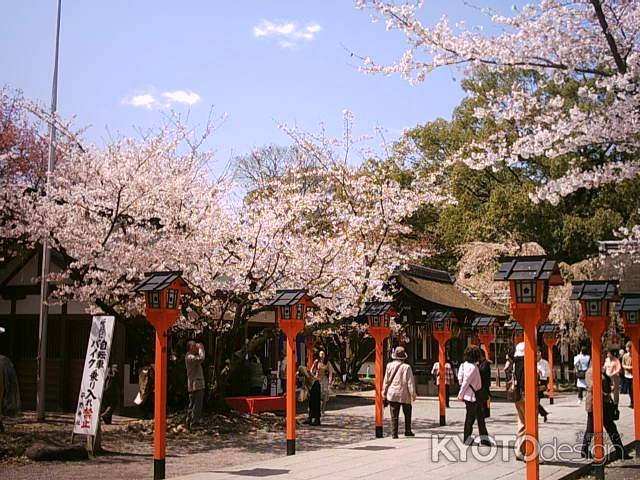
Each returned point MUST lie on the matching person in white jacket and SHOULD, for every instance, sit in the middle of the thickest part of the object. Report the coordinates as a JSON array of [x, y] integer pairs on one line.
[[399, 389], [470, 391]]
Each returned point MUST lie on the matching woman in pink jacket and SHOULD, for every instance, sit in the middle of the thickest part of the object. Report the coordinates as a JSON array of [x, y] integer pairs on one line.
[[399, 389], [471, 393]]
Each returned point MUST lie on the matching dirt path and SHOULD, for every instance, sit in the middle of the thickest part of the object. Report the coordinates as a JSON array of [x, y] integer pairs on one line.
[[129, 453]]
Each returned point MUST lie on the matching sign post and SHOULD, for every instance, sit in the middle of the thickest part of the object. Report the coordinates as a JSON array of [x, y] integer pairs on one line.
[[529, 281], [163, 294], [291, 307], [629, 307], [96, 363], [379, 315], [595, 299], [550, 336]]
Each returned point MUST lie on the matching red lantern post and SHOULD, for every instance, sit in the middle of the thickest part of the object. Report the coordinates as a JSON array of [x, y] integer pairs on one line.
[[379, 315], [442, 328], [550, 335], [595, 298], [486, 329], [163, 292], [629, 307], [291, 307], [529, 280]]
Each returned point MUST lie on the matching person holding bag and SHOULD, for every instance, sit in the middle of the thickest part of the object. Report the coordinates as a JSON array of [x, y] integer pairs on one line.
[[399, 390], [473, 395], [581, 362], [310, 390], [608, 413]]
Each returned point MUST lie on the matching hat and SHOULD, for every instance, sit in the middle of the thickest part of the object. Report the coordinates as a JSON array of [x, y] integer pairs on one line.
[[399, 354], [519, 350]]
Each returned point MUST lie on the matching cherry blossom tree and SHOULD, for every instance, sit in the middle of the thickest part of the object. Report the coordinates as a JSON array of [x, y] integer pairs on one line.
[[588, 46]]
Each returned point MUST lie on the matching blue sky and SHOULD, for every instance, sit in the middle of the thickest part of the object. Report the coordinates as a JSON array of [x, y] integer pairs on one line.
[[261, 62]]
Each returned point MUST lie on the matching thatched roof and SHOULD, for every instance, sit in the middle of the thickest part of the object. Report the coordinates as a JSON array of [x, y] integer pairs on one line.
[[434, 287]]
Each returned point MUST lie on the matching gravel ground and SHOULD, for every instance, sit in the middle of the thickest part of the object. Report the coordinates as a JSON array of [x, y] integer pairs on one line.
[[129, 446]]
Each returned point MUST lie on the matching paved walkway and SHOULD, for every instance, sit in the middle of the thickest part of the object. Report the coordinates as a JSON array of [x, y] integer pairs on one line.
[[417, 458]]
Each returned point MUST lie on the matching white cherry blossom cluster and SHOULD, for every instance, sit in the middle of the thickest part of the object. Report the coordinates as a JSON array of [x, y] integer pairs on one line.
[[113, 213], [593, 44]]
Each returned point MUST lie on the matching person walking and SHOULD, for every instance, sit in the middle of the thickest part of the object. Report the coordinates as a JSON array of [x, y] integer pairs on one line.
[[485, 375], [323, 372], [627, 368], [195, 382], [608, 408], [471, 393], [581, 362], [399, 389], [449, 377], [518, 398], [312, 387], [543, 382], [612, 369], [508, 373]]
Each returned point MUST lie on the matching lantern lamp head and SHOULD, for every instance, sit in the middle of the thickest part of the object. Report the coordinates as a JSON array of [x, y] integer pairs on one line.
[[530, 278], [378, 314], [441, 320], [549, 330], [629, 308], [291, 305], [485, 325], [163, 294], [595, 296]]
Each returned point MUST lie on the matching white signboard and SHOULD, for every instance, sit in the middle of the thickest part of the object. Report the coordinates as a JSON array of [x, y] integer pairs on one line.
[[96, 365]]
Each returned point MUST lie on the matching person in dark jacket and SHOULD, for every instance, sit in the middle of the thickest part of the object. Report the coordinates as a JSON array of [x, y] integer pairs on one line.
[[9, 390], [312, 385], [485, 375], [608, 408]]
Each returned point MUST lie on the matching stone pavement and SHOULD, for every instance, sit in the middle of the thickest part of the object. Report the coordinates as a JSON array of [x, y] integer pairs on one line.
[[416, 458]]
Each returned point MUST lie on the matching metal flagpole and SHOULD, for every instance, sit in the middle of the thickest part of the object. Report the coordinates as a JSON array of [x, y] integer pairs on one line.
[[44, 284]]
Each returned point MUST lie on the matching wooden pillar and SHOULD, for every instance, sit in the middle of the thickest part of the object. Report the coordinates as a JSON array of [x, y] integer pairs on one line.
[[635, 362], [596, 327], [160, 413]]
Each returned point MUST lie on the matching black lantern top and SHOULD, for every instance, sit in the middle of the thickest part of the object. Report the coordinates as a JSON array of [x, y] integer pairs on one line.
[[162, 289], [529, 268], [518, 330], [291, 304], [441, 320], [485, 324], [526, 273], [629, 307], [378, 314], [595, 296], [548, 329]]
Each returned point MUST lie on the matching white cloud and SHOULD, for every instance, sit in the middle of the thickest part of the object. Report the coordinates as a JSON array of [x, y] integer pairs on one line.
[[288, 32], [167, 99], [182, 96], [145, 100]]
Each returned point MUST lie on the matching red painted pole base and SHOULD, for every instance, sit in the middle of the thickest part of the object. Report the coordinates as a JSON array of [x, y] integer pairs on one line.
[[291, 447], [379, 433], [443, 420], [158, 469]]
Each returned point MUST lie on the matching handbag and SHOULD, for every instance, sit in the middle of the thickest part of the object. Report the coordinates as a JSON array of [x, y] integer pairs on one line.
[[582, 374], [385, 402]]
